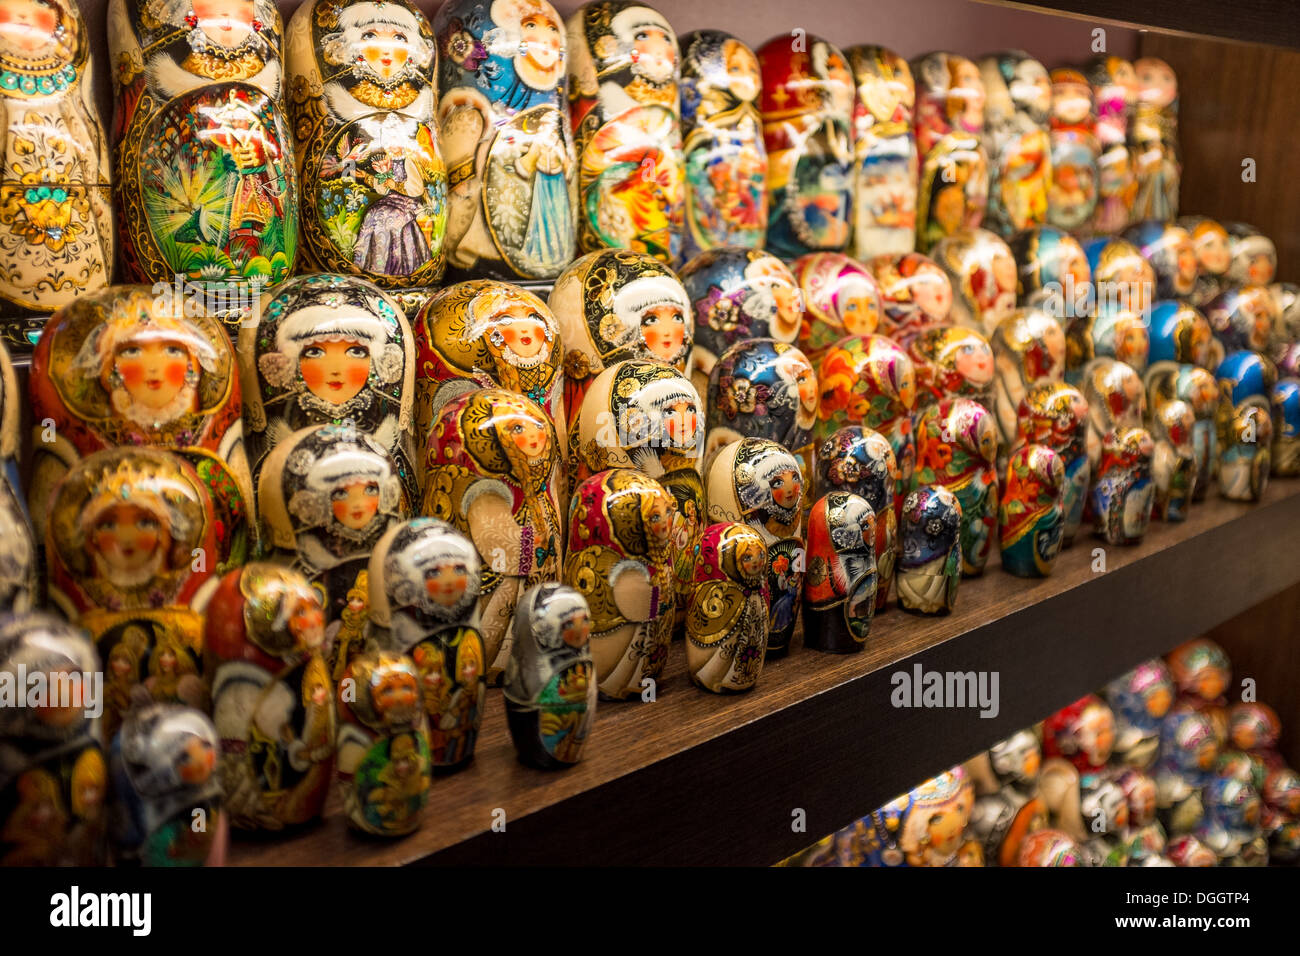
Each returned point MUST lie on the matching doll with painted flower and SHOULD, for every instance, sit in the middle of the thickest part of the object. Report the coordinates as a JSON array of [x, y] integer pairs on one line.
[[762, 389], [839, 588], [1056, 415], [956, 448], [727, 617], [840, 298], [982, 272], [1031, 516]]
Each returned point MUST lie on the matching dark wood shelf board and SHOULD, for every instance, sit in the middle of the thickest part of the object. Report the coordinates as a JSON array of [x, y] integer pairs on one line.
[[698, 779]]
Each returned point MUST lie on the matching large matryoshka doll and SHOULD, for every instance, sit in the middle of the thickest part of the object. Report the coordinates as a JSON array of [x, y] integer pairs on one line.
[[618, 304], [1116, 400], [1056, 415], [757, 482], [1286, 438], [272, 696], [840, 297], [330, 349], [860, 460], [1008, 807], [1123, 492], [424, 578], [1140, 699], [1028, 350], [982, 272], [1121, 277], [929, 564], [914, 292], [839, 588], [624, 104], [57, 174], [362, 97], [1245, 425], [1254, 257], [726, 159], [1031, 515], [1153, 140], [884, 189], [1243, 317], [19, 588], [1015, 134], [1180, 334], [807, 104], [727, 616], [205, 179], [53, 774], [1115, 93], [492, 470], [1054, 272], [951, 362], [1213, 257], [1171, 253], [1072, 199], [957, 448], [1108, 333], [132, 540], [763, 389], [503, 115], [619, 558], [953, 186]]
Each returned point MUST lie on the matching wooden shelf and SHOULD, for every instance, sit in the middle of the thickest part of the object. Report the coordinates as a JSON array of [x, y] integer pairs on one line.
[[698, 779]]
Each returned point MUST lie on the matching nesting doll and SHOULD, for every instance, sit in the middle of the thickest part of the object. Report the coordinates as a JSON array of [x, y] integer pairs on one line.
[[915, 293], [951, 362], [1179, 333], [1281, 815], [1115, 93], [619, 558], [1285, 399], [1243, 317], [1082, 734], [930, 561], [272, 696], [1028, 350], [861, 460], [1008, 807], [1173, 462], [957, 447], [739, 294], [1202, 672], [924, 827], [1169, 381], [884, 197], [1121, 277], [169, 805], [726, 619], [1116, 400], [492, 471], [757, 482], [982, 273], [1016, 113], [839, 588], [1054, 272], [1213, 257], [1050, 848], [1254, 257], [383, 744], [503, 118], [19, 588], [1123, 493], [1140, 700], [53, 774], [1286, 298], [1146, 838], [1245, 425], [807, 103], [1153, 140], [624, 105], [1056, 415], [57, 176], [1092, 808], [1172, 256], [726, 159], [424, 578], [1076, 151], [762, 388], [1031, 515], [1230, 826], [616, 305], [550, 681], [1254, 727], [840, 297], [1109, 333]]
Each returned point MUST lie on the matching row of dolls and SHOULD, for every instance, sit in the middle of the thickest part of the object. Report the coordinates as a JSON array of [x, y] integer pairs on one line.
[[498, 141], [1158, 770]]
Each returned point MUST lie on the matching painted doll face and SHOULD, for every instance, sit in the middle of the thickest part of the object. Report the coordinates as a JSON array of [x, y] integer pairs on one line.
[[1212, 246], [335, 371], [523, 331], [788, 307], [654, 54], [966, 98], [663, 327], [751, 560], [395, 695], [307, 624], [355, 503], [446, 582], [787, 487], [799, 371], [576, 630], [1261, 269], [196, 761], [950, 208], [681, 422], [1075, 265], [659, 520], [128, 538], [384, 49], [1097, 734], [153, 371], [1157, 82], [931, 289], [528, 435], [742, 70], [225, 22], [974, 362], [944, 830], [1186, 264], [432, 678], [542, 40], [857, 308], [26, 26], [120, 664]]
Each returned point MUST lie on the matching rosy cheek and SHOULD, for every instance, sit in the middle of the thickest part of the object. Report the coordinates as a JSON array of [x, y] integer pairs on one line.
[[340, 510], [358, 373], [132, 373], [175, 374]]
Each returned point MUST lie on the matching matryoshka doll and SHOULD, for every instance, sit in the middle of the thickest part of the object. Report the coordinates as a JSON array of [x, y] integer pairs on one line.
[[168, 800], [1121, 277], [1180, 334], [951, 362], [1108, 333], [330, 349], [914, 292], [1050, 848], [1008, 807], [424, 578], [1168, 381], [53, 775], [493, 468], [1082, 734], [199, 94], [727, 617], [1116, 399], [1146, 838], [839, 587], [624, 105], [1281, 815], [1153, 140], [1173, 463], [982, 273], [1286, 438], [1122, 492], [1213, 257], [1245, 425], [363, 98], [57, 176], [19, 587], [807, 103], [503, 116], [840, 297], [1172, 256], [615, 305], [957, 447], [1015, 134], [1254, 727], [1056, 415], [1254, 257], [1028, 350], [762, 388], [1115, 92], [1231, 824], [550, 681], [926, 826], [272, 696], [884, 196], [1140, 699], [383, 744], [1286, 299], [758, 483], [1055, 274], [1072, 198], [726, 159], [1202, 673], [619, 558], [1031, 515], [128, 366], [861, 460], [1092, 808], [930, 561], [1243, 317]]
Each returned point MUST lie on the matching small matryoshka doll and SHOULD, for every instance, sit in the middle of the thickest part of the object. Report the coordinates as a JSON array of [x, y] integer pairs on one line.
[[1123, 493], [914, 291], [957, 447], [1243, 317], [726, 159], [1180, 333], [1254, 257], [1115, 92], [1146, 837], [503, 116], [615, 305], [927, 826], [1091, 807], [1285, 398], [1231, 824], [1202, 672], [621, 534], [1082, 734], [164, 771], [1173, 463], [1140, 699], [383, 744], [1281, 815], [493, 469], [623, 102], [840, 297], [807, 105], [1109, 333], [57, 176], [1072, 198], [19, 587], [53, 775], [1153, 140], [982, 273], [1169, 381], [757, 482], [550, 680], [951, 362], [930, 561], [727, 617], [1245, 425], [1121, 277], [1008, 807], [1056, 415], [362, 97], [1116, 399], [861, 460], [1054, 272], [272, 696], [884, 200], [1213, 257], [762, 388], [1171, 253], [1015, 135], [424, 578], [1254, 727], [839, 587], [1028, 350], [1286, 299], [1031, 515], [1050, 848]]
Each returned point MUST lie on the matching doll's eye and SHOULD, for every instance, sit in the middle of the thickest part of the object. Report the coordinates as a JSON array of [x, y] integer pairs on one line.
[[147, 524], [368, 35], [400, 37], [372, 489], [130, 352], [339, 494], [358, 352], [174, 351], [313, 352]]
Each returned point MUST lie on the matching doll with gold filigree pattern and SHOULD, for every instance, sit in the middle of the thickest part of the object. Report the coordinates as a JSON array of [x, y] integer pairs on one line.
[[839, 588], [957, 448], [1122, 492], [726, 620], [762, 388], [1030, 515], [1056, 415], [951, 362], [884, 210], [1028, 350]]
